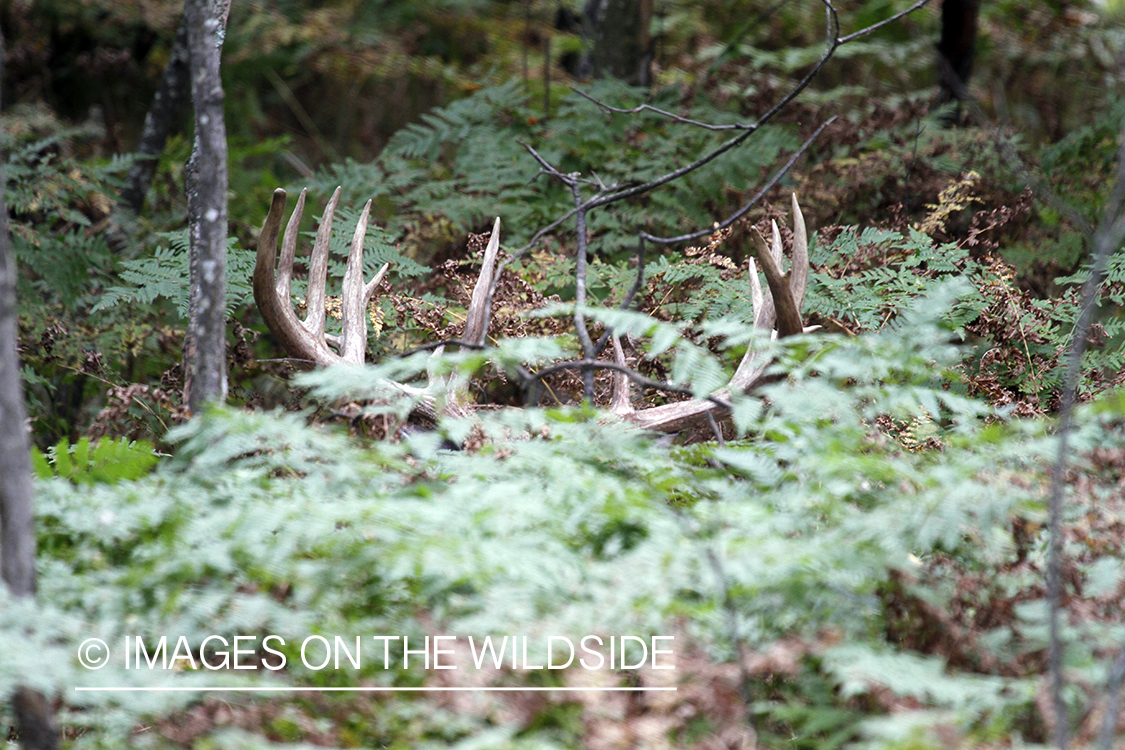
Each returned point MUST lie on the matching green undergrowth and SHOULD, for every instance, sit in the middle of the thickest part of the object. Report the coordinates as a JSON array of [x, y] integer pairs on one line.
[[86, 462], [803, 542]]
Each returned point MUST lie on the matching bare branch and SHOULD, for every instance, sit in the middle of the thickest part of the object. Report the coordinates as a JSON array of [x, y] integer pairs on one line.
[[638, 282], [580, 295], [881, 24], [670, 115], [1110, 233], [751, 203]]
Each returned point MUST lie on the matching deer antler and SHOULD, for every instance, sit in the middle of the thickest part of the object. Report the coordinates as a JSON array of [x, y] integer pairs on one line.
[[306, 339], [779, 303]]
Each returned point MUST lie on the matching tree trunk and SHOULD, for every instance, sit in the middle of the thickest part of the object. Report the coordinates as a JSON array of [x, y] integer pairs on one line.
[[205, 350], [169, 100], [17, 530], [957, 47], [621, 46], [17, 519], [33, 718]]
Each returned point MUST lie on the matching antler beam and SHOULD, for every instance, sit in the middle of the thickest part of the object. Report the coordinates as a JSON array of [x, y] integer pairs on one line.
[[776, 308], [779, 303], [306, 339]]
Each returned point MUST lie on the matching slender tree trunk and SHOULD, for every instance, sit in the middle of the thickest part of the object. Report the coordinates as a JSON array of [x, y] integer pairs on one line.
[[170, 98], [957, 47], [17, 531], [621, 45], [17, 518], [205, 350], [34, 720]]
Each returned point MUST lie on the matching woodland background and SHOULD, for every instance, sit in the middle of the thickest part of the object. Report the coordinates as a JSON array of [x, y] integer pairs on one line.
[[859, 559]]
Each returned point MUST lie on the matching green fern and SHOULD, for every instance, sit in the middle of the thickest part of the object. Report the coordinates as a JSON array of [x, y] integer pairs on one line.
[[465, 162], [263, 523], [165, 275], [898, 268], [51, 198], [105, 461]]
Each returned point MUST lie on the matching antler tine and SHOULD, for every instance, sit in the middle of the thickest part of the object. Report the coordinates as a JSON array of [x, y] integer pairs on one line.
[[475, 331], [748, 371], [318, 270], [267, 242], [788, 314], [372, 285], [757, 300], [780, 302], [289, 249], [353, 339], [765, 310], [307, 339], [799, 269], [276, 310], [621, 402]]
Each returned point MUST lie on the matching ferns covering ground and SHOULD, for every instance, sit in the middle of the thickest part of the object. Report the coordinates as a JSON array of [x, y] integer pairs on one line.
[[856, 558]]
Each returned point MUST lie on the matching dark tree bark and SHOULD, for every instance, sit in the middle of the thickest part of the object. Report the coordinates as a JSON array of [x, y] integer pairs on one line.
[[957, 47], [169, 101], [33, 717], [17, 518], [620, 43], [205, 350]]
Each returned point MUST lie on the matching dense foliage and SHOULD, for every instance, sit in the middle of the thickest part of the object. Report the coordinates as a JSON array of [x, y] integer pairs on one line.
[[856, 559], [809, 555]]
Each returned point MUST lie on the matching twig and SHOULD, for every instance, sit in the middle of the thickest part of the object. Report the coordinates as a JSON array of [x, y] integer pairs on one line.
[[1110, 232], [884, 22], [664, 113], [636, 377], [438, 344], [580, 295], [638, 282], [716, 430]]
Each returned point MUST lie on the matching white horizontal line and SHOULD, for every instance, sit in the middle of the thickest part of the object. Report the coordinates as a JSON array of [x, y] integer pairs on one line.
[[292, 689]]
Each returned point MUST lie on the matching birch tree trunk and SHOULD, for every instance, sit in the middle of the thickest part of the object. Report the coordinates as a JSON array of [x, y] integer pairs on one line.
[[17, 531], [17, 519], [205, 375]]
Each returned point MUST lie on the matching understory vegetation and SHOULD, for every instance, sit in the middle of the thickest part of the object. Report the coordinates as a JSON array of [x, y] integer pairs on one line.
[[855, 557]]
